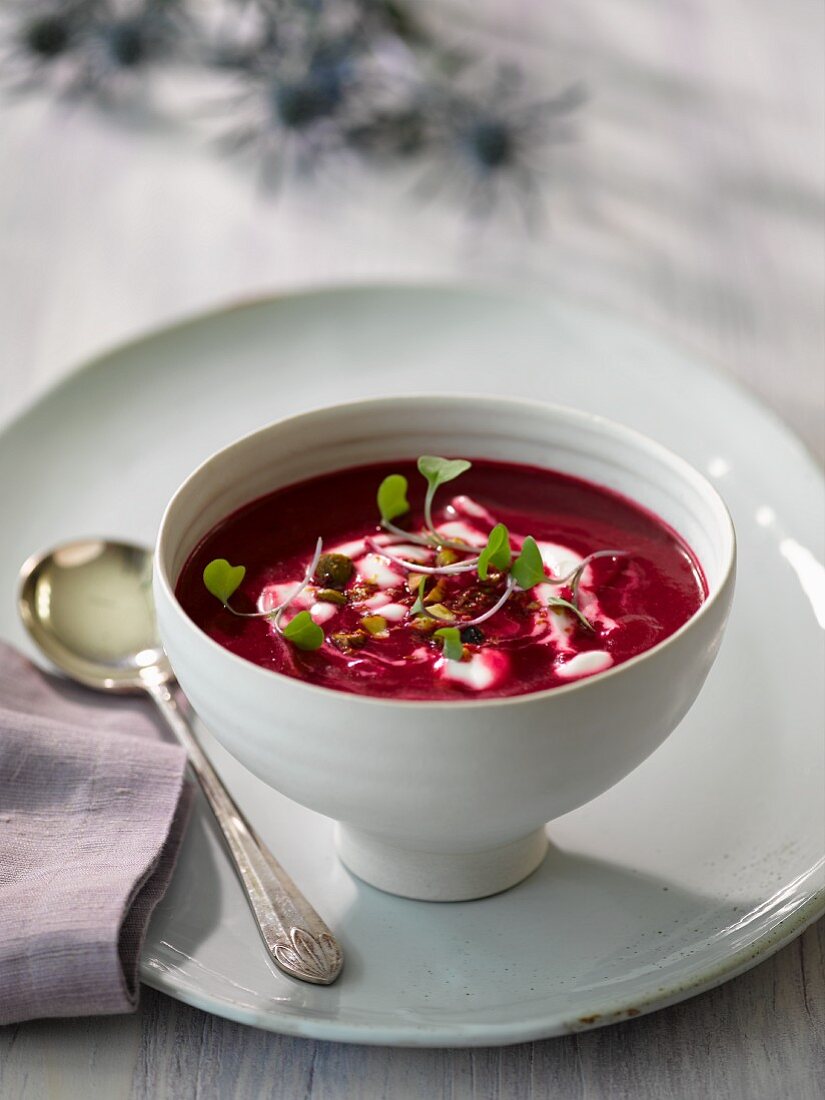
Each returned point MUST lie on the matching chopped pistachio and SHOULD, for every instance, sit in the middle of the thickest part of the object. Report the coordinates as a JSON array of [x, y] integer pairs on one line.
[[425, 624], [334, 570], [362, 590], [349, 641], [330, 595], [439, 611], [375, 624], [446, 556], [414, 581], [435, 595]]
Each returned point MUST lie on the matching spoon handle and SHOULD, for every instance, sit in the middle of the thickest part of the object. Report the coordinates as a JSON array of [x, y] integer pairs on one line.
[[296, 938]]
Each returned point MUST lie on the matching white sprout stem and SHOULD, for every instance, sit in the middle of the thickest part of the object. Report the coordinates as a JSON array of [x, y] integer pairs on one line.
[[407, 536], [565, 605], [574, 578], [274, 613], [308, 575], [574, 575], [509, 588], [415, 567], [428, 506], [247, 614], [431, 540]]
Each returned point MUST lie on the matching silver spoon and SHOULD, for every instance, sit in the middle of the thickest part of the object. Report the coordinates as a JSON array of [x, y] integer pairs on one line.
[[88, 606]]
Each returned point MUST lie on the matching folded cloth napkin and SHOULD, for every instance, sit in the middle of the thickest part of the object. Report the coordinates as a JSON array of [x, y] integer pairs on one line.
[[93, 806]]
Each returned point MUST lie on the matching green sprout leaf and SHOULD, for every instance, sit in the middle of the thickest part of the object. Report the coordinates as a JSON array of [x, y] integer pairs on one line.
[[438, 471], [450, 637], [223, 579], [418, 607], [566, 605], [303, 632], [441, 470], [496, 552], [528, 568], [392, 497]]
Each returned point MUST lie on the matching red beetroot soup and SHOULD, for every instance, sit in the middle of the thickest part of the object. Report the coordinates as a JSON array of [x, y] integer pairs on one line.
[[377, 640]]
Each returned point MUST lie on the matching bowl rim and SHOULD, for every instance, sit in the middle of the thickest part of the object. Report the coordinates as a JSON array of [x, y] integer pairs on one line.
[[639, 440]]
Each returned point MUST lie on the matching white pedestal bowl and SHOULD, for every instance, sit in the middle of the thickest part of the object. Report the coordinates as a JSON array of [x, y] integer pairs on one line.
[[445, 800]]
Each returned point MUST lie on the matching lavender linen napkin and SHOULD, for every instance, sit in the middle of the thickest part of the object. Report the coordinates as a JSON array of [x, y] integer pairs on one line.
[[93, 806]]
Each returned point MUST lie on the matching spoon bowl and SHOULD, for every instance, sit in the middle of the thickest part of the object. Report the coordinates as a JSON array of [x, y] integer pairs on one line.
[[88, 606]]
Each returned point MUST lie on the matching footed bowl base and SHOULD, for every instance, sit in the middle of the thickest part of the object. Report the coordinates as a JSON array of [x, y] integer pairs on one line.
[[439, 876]]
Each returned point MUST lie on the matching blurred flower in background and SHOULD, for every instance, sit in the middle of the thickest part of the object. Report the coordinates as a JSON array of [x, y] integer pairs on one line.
[[312, 81], [40, 43]]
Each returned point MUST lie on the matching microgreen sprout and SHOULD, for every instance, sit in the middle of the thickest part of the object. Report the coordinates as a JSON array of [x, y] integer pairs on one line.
[[438, 471], [430, 540], [566, 605], [331, 572], [418, 607], [222, 581], [496, 552], [308, 576], [450, 638], [392, 497], [575, 576], [527, 571], [393, 503], [509, 589], [528, 568], [416, 567], [303, 632]]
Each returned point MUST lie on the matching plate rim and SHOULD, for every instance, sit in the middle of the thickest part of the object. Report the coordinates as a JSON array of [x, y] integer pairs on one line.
[[498, 1034], [472, 1034]]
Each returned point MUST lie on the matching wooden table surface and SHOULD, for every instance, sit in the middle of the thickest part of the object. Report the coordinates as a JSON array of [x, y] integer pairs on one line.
[[691, 201]]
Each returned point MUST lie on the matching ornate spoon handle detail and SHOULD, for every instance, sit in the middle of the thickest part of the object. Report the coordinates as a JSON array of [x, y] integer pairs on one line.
[[297, 939]]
